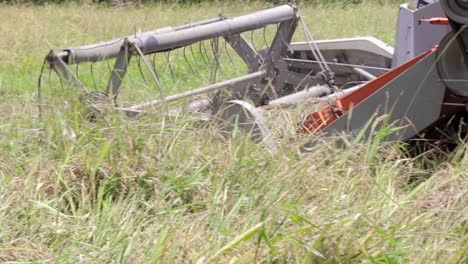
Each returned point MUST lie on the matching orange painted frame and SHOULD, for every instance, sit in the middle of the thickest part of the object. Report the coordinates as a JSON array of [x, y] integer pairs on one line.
[[321, 119]]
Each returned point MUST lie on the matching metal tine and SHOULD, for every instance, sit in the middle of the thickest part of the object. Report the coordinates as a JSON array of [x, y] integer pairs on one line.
[[216, 55], [155, 71], [252, 39], [61, 85], [216, 52], [253, 43], [193, 56], [215, 66], [203, 57], [205, 62], [168, 60], [76, 71], [264, 37], [153, 64], [206, 53], [187, 61], [290, 49], [134, 79], [229, 55], [141, 71], [212, 66], [196, 62], [108, 66], [48, 77], [39, 90], [282, 36], [151, 70], [92, 76], [153, 61], [50, 80]]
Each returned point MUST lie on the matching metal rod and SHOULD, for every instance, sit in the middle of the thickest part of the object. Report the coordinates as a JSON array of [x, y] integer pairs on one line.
[[63, 70], [455, 104], [312, 92], [201, 90], [454, 80], [294, 101], [172, 38], [364, 73], [119, 71], [338, 64], [110, 49], [151, 70], [340, 94]]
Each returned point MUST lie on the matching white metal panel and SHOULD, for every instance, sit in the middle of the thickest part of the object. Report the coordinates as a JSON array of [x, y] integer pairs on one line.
[[369, 44], [414, 37]]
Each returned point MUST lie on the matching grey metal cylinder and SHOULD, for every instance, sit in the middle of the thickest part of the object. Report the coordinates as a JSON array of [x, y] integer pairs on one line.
[[175, 37], [456, 10], [312, 92], [155, 43], [110, 49]]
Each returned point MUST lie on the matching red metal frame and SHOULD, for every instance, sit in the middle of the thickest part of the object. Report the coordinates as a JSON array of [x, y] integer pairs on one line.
[[321, 119], [435, 20]]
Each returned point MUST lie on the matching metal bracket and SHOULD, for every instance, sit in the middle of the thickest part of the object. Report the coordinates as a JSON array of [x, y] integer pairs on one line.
[[119, 71], [62, 69], [245, 51]]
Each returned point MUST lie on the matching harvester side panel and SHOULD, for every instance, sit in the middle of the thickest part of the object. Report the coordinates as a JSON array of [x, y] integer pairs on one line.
[[413, 99], [415, 36]]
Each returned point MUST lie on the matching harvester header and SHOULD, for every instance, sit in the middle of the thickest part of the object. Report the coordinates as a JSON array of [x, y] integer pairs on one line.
[[415, 85]]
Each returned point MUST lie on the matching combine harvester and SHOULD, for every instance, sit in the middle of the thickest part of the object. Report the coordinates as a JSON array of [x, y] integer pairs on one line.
[[422, 81]]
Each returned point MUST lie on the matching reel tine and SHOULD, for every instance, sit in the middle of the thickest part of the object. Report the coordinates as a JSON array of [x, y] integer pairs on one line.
[[187, 61], [153, 64], [151, 70], [76, 71], [159, 80], [206, 53], [203, 57], [214, 68], [48, 77], [108, 66], [264, 37], [219, 54], [39, 90], [229, 55], [141, 71], [61, 85], [193, 56], [252, 40], [216, 56], [168, 60], [92, 76], [196, 63], [214, 49], [153, 61]]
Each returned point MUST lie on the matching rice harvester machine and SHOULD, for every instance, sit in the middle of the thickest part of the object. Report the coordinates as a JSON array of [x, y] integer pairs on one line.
[[235, 70]]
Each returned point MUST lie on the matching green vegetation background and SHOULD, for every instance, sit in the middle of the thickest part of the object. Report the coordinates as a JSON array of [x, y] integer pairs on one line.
[[195, 1]]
